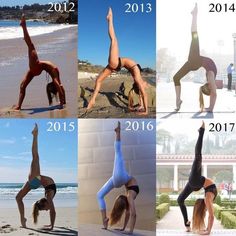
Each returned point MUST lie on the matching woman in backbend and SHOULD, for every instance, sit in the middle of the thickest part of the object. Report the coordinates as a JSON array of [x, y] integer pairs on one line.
[[115, 63], [123, 203], [195, 61], [36, 67], [35, 180], [195, 183]]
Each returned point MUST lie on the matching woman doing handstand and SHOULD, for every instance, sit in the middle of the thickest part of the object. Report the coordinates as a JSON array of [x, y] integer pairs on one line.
[[35, 180], [115, 63], [122, 203]]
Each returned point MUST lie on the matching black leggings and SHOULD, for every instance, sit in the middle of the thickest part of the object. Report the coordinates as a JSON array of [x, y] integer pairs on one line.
[[196, 180], [194, 60]]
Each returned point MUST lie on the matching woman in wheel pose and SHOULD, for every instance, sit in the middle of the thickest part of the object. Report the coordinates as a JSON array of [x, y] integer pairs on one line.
[[35, 180], [123, 203], [195, 183]]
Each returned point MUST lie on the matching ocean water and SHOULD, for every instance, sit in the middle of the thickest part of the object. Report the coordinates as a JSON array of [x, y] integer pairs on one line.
[[11, 29], [66, 195]]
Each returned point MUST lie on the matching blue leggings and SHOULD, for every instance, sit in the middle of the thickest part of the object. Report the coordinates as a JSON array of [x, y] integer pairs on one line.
[[119, 177]]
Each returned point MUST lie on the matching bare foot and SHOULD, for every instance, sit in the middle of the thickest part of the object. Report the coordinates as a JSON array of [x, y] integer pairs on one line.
[[91, 104], [195, 10], [109, 15], [35, 130], [23, 222], [203, 124], [105, 223], [187, 225], [208, 109], [178, 105], [23, 21], [16, 107], [117, 129]]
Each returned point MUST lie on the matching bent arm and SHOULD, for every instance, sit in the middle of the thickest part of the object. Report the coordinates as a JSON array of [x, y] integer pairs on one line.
[[212, 86]]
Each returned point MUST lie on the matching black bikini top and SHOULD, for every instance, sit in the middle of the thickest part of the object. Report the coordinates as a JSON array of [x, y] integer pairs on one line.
[[211, 188], [135, 188]]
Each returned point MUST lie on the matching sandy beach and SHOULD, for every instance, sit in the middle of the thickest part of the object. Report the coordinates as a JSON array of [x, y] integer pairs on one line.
[[60, 48], [66, 222], [109, 103]]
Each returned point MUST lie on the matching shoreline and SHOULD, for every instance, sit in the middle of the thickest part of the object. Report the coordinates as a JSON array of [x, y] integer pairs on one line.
[[58, 47]]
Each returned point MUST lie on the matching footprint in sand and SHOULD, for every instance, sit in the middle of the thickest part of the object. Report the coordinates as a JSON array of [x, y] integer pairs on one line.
[[6, 229]]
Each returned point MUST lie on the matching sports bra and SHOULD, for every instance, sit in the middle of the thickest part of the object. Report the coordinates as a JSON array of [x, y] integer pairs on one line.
[[135, 188], [51, 187], [211, 188]]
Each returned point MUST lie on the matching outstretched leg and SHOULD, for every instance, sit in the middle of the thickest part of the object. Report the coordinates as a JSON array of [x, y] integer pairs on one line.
[[193, 62], [113, 59], [35, 167], [196, 170], [120, 175], [32, 54]]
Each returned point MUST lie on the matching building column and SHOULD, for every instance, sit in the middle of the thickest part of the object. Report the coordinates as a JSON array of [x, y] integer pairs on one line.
[[234, 177], [205, 170], [176, 187]]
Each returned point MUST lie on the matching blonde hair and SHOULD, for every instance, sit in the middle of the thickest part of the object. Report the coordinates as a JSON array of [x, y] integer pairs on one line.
[[199, 213], [38, 206], [121, 204], [203, 90]]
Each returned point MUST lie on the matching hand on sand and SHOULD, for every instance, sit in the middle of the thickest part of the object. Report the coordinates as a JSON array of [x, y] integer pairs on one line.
[[23, 222], [35, 130], [127, 233], [142, 113], [47, 227]]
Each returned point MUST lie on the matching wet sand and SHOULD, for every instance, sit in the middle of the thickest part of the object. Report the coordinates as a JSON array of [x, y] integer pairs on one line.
[[60, 47]]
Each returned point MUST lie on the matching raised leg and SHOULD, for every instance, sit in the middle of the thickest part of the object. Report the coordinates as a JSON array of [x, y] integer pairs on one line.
[[32, 54], [113, 59], [35, 167]]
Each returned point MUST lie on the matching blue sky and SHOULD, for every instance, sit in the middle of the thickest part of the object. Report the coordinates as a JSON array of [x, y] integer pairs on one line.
[[22, 2], [136, 33], [57, 150]]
